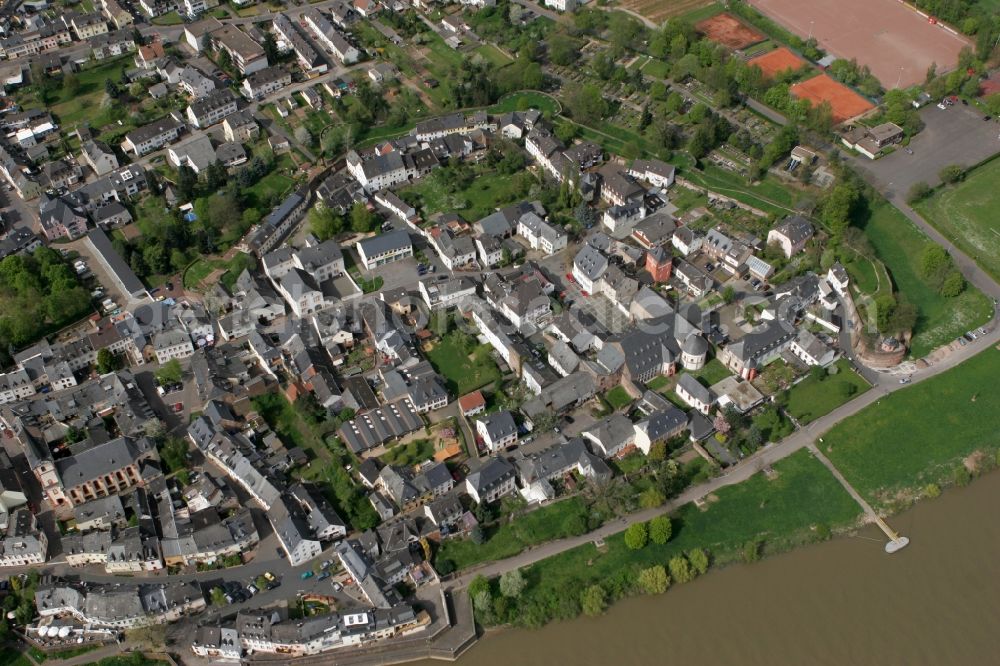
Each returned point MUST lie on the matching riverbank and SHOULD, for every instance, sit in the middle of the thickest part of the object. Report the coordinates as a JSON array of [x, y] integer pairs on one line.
[[904, 445], [839, 602]]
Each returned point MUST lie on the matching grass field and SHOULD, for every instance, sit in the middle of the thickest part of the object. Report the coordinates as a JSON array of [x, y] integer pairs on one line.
[[203, 267], [462, 372], [782, 512], [274, 185], [521, 101], [966, 214], [544, 524], [85, 102], [493, 55], [656, 68], [170, 18], [660, 10], [409, 454], [486, 192], [810, 399], [713, 372], [921, 434], [618, 397], [898, 244]]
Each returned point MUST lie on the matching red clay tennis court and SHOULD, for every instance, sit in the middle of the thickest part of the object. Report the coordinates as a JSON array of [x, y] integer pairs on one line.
[[844, 102], [896, 42], [777, 61], [725, 29]]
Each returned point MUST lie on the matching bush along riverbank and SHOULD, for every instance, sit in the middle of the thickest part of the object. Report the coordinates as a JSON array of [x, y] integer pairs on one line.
[[800, 502]]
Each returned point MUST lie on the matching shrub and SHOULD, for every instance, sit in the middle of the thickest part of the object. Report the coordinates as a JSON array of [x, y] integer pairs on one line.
[[593, 600], [637, 536], [660, 529], [654, 580]]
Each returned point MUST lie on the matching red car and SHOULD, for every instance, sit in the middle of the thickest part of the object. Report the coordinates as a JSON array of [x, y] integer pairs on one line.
[[569, 276], [584, 294], [178, 406]]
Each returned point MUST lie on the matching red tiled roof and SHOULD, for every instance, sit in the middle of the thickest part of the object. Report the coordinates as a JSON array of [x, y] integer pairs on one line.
[[472, 401]]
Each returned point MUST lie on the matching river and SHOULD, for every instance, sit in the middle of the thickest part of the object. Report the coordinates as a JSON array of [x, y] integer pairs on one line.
[[840, 602]]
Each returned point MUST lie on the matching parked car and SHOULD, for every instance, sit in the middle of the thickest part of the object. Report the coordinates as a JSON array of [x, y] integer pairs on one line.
[[252, 589], [306, 574], [324, 575], [269, 576]]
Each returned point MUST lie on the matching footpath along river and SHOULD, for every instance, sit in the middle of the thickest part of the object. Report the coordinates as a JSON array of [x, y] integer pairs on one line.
[[840, 602]]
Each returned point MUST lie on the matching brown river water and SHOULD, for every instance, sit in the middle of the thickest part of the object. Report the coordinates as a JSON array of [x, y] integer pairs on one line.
[[840, 602]]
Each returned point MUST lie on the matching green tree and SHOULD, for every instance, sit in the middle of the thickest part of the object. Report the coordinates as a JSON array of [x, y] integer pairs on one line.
[[637, 536], [218, 596], [660, 529], [585, 103], [699, 560], [170, 372], [952, 285], [512, 583], [107, 362], [728, 295], [934, 262], [173, 453], [838, 207], [654, 580], [563, 49], [680, 569], [593, 600], [657, 452], [751, 551], [952, 173], [651, 498], [324, 222], [362, 219]]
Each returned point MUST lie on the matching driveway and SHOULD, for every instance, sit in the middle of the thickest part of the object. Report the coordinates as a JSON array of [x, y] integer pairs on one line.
[[957, 135]]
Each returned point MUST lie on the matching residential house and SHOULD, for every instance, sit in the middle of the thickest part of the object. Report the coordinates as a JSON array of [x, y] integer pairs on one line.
[[385, 248], [240, 127], [493, 479], [811, 350], [694, 394], [791, 235], [99, 157], [658, 427], [153, 136], [687, 241], [194, 83], [655, 172], [611, 437], [196, 153], [264, 82], [212, 108], [472, 403], [497, 430]]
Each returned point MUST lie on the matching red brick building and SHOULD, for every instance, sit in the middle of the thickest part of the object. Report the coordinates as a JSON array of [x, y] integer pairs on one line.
[[659, 264]]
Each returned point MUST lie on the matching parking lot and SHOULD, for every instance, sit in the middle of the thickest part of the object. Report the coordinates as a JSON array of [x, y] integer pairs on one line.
[[957, 135]]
